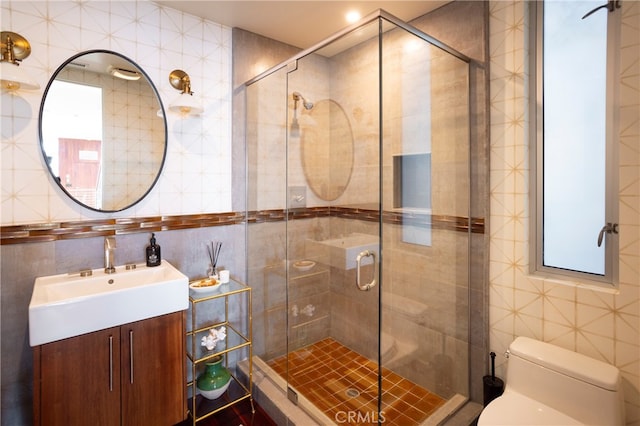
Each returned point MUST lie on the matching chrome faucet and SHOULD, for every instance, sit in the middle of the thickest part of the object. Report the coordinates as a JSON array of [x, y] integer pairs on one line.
[[109, 249]]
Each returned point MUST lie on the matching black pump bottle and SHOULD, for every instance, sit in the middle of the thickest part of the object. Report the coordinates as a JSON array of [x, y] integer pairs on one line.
[[153, 252]]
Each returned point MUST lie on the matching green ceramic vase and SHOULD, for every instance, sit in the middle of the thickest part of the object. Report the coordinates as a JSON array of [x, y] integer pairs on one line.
[[214, 381]]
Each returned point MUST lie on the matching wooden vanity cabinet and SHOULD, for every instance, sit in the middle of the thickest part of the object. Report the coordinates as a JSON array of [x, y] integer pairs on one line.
[[153, 377], [73, 383], [133, 374]]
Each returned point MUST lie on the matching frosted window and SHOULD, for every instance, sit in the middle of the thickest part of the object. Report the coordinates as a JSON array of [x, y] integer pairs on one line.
[[574, 152], [575, 58]]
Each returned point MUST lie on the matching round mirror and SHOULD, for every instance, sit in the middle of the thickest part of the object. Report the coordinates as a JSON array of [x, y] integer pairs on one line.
[[103, 131], [327, 149]]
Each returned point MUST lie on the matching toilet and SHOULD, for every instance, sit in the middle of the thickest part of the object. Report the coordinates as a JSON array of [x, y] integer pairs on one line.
[[549, 385]]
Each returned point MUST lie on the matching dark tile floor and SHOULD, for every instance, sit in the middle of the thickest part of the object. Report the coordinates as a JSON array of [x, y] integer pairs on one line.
[[237, 415]]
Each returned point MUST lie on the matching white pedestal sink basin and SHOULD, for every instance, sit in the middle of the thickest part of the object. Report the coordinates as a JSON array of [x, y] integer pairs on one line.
[[341, 252], [69, 305]]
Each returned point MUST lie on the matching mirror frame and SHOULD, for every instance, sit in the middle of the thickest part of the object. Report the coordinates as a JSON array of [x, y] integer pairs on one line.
[[164, 121]]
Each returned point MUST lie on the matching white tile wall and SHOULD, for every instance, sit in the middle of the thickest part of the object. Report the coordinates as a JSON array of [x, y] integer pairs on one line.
[[197, 173], [601, 324]]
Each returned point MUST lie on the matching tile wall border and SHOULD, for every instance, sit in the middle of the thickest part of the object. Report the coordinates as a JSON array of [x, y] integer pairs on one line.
[[45, 232]]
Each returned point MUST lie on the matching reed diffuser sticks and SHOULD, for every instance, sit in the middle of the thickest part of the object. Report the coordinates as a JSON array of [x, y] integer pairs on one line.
[[214, 254]]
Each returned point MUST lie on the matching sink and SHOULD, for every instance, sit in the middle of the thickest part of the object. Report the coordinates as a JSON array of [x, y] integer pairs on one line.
[[341, 252], [69, 305]]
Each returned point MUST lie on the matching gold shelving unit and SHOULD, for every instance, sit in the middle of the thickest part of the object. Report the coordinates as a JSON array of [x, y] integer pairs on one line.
[[216, 308]]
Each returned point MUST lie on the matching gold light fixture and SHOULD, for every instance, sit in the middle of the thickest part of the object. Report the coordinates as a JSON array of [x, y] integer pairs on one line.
[[14, 49], [185, 103]]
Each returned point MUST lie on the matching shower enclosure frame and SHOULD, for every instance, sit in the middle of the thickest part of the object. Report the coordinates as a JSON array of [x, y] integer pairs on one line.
[[291, 64], [365, 20]]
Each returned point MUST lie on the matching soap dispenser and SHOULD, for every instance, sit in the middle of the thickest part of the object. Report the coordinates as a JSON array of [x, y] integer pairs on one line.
[[153, 252]]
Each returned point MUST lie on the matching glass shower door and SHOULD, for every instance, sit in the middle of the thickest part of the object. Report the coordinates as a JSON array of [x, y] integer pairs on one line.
[[425, 231], [333, 174], [359, 228]]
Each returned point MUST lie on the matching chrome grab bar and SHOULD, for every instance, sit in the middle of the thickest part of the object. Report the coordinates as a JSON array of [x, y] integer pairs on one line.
[[369, 285]]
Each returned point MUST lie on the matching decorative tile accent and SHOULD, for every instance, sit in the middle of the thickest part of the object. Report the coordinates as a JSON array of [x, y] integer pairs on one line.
[[20, 234], [599, 323], [39, 232], [159, 39]]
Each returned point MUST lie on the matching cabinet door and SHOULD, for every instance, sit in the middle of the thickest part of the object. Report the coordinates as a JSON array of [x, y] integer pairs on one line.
[[153, 371], [80, 380]]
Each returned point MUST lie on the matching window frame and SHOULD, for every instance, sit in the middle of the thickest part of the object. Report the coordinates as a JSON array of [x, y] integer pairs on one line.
[[536, 134]]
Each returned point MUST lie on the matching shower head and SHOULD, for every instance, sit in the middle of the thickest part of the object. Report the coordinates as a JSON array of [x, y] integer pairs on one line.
[[297, 97]]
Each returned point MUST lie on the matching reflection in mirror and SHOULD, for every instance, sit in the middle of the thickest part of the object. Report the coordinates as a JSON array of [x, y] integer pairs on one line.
[[327, 149], [102, 131]]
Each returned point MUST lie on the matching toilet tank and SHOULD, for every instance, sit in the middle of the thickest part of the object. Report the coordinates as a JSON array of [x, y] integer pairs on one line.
[[584, 388]]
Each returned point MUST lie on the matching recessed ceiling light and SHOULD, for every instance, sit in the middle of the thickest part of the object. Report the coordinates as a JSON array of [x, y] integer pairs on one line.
[[353, 16]]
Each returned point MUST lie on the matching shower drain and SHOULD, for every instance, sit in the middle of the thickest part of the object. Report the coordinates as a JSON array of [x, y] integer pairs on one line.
[[352, 393]]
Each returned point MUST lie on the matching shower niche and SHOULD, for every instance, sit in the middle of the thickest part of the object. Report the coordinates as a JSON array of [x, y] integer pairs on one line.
[[412, 194], [412, 181], [375, 122]]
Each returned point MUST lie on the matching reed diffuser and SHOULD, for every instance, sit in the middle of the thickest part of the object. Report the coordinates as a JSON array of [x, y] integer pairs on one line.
[[214, 253]]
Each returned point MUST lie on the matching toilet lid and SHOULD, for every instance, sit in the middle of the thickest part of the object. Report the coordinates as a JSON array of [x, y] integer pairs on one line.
[[513, 409]]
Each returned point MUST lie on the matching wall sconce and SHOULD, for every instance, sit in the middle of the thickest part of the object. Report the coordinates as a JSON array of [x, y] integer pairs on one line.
[[184, 104], [14, 49]]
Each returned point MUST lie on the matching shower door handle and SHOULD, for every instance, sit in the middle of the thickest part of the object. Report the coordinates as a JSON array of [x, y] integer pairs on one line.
[[369, 285]]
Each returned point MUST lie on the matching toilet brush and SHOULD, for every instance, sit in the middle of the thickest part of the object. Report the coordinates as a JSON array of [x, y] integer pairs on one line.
[[493, 386]]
